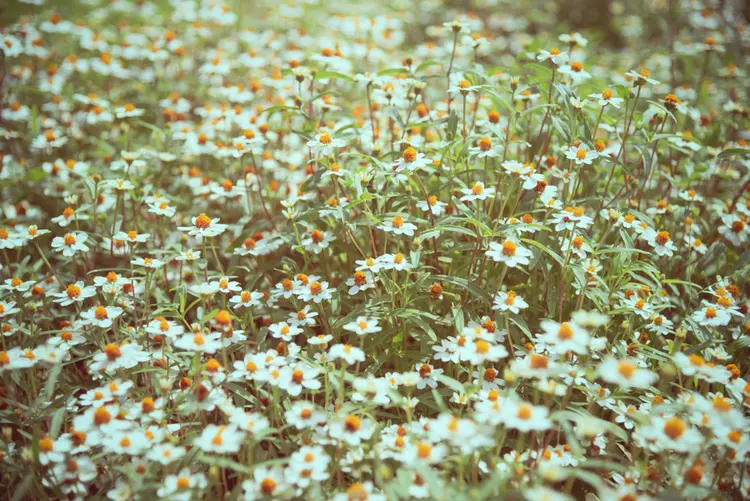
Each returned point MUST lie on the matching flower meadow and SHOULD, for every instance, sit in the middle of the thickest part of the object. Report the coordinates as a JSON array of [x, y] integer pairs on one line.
[[369, 251]]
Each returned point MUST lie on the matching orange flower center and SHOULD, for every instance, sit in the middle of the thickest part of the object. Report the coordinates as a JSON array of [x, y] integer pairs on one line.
[[674, 428], [352, 423], [202, 221], [565, 332], [410, 154]]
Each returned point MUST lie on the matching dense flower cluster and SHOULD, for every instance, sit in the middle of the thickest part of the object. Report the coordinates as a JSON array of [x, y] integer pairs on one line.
[[290, 252]]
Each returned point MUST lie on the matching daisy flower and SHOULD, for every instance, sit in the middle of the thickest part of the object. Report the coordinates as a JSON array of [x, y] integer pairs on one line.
[[581, 155], [432, 204], [247, 299], [71, 243], [564, 337], [625, 373], [398, 226], [222, 439], [101, 316], [204, 226], [660, 241], [553, 55], [318, 241], [351, 429], [575, 71], [477, 192], [324, 144], [361, 281], [347, 353], [284, 331], [295, 379], [509, 301], [394, 262], [316, 292], [363, 326], [509, 252], [132, 236], [411, 161], [75, 293], [181, 487], [524, 416]]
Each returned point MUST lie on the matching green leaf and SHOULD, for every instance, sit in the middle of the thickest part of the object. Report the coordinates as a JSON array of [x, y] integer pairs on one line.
[[222, 462], [450, 130], [471, 287], [392, 71], [729, 152], [426, 65], [333, 74], [208, 316], [541, 71], [451, 383], [271, 110], [544, 249], [152, 127], [322, 94], [456, 229]]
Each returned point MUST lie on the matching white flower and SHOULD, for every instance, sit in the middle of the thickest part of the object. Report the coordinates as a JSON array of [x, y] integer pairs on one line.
[[148, 262], [220, 439], [575, 71], [225, 285], [352, 429], [509, 301], [318, 240], [558, 58], [198, 342], [284, 331], [324, 144], [114, 357], [432, 204], [398, 226], [411, 161], [347, 353], [712, 315], [101, 316], [660, 241], [625, 373], [183, 486], [75, 293], [641, 77], [564, 337], [524, 416], [394, 262], [363, 326], [204, 226], [509, 252], [247, 299], [131, 236], [296, 378], [188, 255], [128, 111], [573, 39], [477, 192], [606, 97], [34, 231], [734, 229], [316, 291], [70, 243], [581, 155], [361, 281]]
